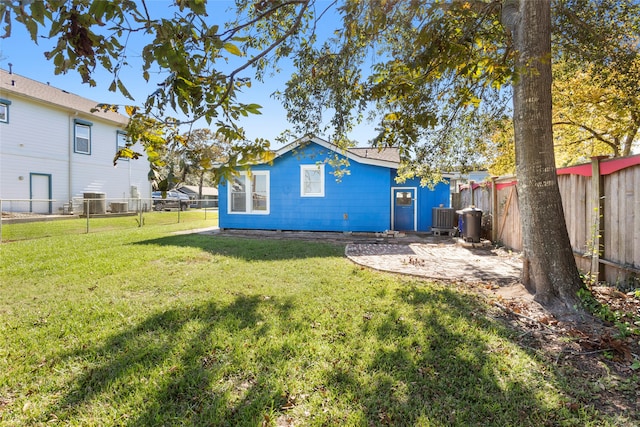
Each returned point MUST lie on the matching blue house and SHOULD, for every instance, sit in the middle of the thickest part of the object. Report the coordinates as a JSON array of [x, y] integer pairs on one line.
[[300, 191]]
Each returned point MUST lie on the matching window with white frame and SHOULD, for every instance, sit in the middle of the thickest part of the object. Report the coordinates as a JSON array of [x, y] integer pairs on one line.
[[312, 180], [82, 137], [249, 193], [4, 110], [121, 142]]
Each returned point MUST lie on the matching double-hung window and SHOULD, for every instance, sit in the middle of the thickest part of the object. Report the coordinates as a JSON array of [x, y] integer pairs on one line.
[[249, 193], [121, 142], [312, 180], [4, 110], [82, 137]]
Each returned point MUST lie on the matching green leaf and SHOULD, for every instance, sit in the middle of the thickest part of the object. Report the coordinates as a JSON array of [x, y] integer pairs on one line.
[[97, 9], [254, 108], [232, 48], [32, 26], [7, 21], [124, 90], [58, 60], [56, 27], [38, 11], [186, 82], [198, 6]]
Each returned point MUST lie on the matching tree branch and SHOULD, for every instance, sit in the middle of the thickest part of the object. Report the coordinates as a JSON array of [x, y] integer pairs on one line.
[[231, 76], [597, 135], [231, 32]]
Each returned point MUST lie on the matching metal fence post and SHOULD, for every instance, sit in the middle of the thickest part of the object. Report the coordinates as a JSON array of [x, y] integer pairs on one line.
[[139, 212], [86, 211], [0, 220]]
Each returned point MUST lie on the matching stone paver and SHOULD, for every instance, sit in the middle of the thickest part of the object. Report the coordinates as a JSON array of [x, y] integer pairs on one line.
[[444, 261], [421, 255]]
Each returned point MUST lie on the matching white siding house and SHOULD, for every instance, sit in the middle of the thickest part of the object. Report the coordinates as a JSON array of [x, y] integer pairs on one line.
[[53, 147]]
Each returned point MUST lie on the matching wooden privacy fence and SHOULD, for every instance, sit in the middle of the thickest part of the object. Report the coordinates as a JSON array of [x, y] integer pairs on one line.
[[601, 203]]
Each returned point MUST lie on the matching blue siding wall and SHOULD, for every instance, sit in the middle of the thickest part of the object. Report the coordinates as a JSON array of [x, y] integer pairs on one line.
[[429, 199], [361, 201]]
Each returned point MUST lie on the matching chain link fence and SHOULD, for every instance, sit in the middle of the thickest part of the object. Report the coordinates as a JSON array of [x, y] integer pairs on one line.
[[24, 219]]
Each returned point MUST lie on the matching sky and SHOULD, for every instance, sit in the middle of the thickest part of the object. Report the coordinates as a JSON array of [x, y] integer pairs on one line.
[[28, 60]]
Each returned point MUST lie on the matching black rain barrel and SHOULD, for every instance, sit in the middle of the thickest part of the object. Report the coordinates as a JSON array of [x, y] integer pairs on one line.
[[472, 224]]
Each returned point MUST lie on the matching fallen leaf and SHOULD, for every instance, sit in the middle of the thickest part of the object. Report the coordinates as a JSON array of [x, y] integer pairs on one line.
[[620, 347]]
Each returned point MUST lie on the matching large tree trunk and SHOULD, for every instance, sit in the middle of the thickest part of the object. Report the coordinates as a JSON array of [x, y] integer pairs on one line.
[[550, 269]]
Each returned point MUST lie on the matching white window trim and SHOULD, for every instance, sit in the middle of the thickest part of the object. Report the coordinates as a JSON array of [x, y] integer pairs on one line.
[[313, 167], [6, 113], [249, 194], [121, 134], [84, 124]]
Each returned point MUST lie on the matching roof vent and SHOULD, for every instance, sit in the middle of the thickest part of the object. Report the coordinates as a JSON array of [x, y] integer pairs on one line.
[[10, 68]]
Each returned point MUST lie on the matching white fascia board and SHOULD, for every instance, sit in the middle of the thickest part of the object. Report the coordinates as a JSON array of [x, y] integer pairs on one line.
[[329, 146]]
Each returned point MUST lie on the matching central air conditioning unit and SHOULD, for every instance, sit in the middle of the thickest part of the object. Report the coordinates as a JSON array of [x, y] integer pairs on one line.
[[443, 218], [119, 207]]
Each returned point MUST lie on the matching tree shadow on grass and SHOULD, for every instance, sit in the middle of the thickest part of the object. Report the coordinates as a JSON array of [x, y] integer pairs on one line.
[[251, 249], [422, 355], [178, 366], [461, 369]]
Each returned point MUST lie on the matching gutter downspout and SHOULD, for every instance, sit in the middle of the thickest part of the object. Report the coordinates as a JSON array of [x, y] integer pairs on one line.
[[70, 160]]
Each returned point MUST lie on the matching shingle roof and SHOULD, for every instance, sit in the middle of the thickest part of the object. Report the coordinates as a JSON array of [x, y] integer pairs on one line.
[[11, 83], [388, 157], [390, 154]]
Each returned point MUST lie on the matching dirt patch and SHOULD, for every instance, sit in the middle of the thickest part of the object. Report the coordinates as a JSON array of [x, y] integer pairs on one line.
[[598, 359]]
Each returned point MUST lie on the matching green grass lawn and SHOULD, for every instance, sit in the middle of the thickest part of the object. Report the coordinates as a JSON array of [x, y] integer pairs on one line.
[[63, 226], [146, 328]]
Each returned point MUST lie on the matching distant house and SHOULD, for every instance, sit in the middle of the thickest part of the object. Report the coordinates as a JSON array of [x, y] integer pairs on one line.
[[54, 150], [299, 191], [209, 197], [458, 179]]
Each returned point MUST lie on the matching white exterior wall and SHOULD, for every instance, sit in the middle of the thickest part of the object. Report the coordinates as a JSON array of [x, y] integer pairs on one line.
[[39, 138]]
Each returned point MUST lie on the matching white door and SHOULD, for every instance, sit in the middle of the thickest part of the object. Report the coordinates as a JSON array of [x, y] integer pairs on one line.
[[40, 193]]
